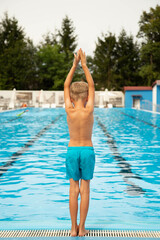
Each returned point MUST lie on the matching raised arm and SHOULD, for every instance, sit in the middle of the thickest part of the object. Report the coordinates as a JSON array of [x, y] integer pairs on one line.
[[68, 81], [91, 90]]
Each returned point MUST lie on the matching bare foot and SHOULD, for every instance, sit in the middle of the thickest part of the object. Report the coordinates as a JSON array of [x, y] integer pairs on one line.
[[83, 232], [74, 232]]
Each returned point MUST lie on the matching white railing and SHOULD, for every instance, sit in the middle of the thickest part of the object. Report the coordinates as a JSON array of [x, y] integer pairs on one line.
[[51, 99], [156, 108], [146, 105], [149, 106]]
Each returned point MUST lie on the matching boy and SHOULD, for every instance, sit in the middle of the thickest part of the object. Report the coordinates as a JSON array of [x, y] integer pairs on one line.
[[80, 159]]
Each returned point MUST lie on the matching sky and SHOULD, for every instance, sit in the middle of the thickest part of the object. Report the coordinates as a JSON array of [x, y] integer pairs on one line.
[[91, 18]]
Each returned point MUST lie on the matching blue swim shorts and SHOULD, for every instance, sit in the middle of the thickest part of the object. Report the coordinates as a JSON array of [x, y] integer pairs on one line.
[[80, 162]]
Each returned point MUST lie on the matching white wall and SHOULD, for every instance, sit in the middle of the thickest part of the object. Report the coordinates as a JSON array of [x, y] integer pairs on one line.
[[154, 97]]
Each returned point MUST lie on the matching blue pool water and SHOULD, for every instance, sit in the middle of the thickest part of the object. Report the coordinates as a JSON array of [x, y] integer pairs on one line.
[[125, 190]]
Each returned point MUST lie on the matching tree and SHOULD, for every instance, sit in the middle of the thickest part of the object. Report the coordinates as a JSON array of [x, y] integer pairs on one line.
[[10, 32], [52, 69], [55, 56], [104, 61], [30, 78], [67, 38], [11, 40], [17, 56], [50, 39], [127, 63], [150, 51]]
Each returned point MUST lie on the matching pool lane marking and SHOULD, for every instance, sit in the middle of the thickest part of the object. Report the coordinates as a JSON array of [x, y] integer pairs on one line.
[[153, 125], [24, 148], [126, 171], [12, 119]]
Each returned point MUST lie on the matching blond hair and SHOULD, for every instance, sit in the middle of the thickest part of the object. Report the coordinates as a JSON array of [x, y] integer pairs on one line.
[[78, 90]]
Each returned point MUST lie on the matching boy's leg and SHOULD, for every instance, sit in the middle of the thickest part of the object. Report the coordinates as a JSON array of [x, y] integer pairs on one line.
[[84, 205], [73, 205]]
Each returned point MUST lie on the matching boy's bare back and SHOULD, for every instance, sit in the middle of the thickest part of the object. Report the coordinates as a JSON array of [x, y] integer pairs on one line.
[[80, 124]]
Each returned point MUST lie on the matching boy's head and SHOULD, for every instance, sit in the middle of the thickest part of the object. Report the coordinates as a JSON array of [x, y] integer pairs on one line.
[[79, 90]]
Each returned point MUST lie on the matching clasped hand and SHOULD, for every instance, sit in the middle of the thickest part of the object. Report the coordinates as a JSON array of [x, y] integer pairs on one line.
[[79, 56]]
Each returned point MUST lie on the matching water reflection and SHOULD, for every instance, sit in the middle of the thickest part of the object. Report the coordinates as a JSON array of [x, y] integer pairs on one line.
[[14, 156], [126, 171]]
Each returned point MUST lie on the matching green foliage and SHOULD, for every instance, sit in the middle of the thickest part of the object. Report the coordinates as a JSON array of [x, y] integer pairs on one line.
[[55, 56], [150, 25], [147, 73], [127, 62], [50, 39], [17, 57], [10, 33], [116, 62], [52, 67], [150, 50], [24, 66], [67, 38], [104, 61]]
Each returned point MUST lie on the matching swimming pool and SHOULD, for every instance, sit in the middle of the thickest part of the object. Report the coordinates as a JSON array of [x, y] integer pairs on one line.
[[125, 190]]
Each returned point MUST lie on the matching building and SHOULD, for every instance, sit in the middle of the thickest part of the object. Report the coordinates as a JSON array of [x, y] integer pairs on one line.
[[134, 95], [143, 97]]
